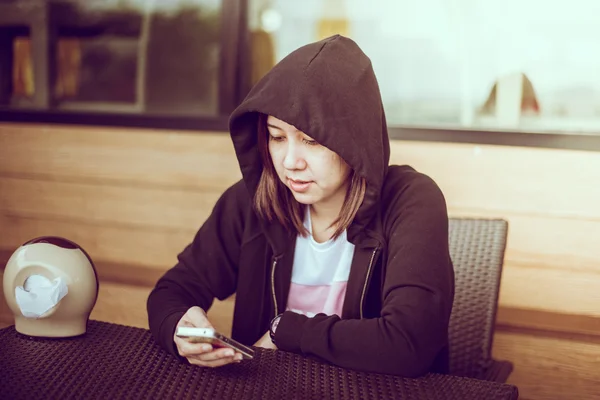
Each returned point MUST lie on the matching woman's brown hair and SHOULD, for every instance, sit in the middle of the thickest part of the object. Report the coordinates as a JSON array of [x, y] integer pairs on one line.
[[273, 200]]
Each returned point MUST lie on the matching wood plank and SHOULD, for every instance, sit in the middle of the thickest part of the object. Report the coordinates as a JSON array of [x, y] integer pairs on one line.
[[122, 304], [524, 180], [561, 256], [550, 367], [561, 291], [124, 206], [511, 317], [152, 248], [545, 240], [125, 155]]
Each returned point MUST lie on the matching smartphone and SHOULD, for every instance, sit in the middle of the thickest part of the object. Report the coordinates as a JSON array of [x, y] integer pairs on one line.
[[208, 335]]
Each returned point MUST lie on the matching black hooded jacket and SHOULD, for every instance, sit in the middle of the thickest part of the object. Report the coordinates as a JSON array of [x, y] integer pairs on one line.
[[401, 285]]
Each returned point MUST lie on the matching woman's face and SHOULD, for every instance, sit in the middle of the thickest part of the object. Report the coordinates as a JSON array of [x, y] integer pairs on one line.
[[314, 174]]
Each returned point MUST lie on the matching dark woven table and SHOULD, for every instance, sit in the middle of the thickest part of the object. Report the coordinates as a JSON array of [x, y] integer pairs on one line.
[[119, 362]]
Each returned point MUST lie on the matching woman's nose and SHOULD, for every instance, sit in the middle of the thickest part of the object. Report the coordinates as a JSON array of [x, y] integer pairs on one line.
[[294, 158]]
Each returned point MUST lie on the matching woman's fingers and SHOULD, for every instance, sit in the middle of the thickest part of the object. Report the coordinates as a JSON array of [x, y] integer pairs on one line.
[[212, 364], [216, 358], [216, 355], [186, 348]]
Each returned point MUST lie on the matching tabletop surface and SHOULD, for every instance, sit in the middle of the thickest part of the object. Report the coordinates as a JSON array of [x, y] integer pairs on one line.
[[120, 362]]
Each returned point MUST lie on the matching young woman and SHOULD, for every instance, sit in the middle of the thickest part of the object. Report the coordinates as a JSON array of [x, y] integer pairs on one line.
[[331, 252]]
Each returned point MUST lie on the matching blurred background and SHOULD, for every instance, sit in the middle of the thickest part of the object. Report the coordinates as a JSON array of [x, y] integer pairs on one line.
[[113, 134]]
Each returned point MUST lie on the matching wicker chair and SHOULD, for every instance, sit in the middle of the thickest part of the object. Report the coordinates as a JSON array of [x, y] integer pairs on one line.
[[477, 250]]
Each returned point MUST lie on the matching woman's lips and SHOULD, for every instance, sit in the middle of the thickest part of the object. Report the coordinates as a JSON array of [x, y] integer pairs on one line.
[[299, 186]]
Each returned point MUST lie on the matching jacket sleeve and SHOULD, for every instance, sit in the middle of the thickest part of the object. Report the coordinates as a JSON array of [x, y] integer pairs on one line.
[[418, 293], [206, 268]]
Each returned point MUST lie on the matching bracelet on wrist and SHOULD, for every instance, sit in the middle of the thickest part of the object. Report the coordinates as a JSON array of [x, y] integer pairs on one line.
[[273, 327]]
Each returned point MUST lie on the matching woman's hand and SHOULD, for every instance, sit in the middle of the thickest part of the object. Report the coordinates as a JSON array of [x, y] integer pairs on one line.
[[265, 342], [202, 354]]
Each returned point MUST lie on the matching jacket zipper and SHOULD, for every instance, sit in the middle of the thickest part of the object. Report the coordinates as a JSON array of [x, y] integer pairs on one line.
[[273, 286], [362, 297]]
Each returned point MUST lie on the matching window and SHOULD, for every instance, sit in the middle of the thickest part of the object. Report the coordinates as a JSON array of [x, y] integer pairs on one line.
[[112, 56], [525, 65], [446, 67]]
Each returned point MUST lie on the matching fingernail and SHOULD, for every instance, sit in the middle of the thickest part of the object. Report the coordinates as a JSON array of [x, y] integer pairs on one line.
[[205, 348], [230, 353]]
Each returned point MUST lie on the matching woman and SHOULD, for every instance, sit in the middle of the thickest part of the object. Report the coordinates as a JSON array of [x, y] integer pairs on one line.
[[331, 252]]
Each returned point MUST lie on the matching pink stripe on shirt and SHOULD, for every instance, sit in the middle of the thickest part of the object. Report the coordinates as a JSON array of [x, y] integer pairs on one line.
[[311, 300]]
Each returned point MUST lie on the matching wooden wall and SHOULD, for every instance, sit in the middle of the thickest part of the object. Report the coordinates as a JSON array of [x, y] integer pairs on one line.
[[134, 198]]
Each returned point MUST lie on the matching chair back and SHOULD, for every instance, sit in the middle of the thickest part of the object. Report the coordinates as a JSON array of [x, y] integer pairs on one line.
[[477, 250]]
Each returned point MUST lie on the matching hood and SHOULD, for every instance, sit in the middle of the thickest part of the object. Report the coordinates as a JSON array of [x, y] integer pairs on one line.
[[328, 90]]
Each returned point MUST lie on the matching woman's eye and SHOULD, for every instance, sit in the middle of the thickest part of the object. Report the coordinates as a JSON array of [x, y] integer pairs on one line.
[[277, 138], [310, 142]]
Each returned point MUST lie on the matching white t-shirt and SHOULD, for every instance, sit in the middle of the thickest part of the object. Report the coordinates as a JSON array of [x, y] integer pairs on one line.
[[320, 274]]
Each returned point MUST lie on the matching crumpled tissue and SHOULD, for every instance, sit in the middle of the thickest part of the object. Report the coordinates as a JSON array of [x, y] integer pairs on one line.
[[39, 294]]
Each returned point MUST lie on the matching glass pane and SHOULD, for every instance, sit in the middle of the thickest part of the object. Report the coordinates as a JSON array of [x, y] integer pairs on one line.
[[497, 64], [97, 52], [183, 58], [16, 70], [23, 85], [97, 70], [138, 56]]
